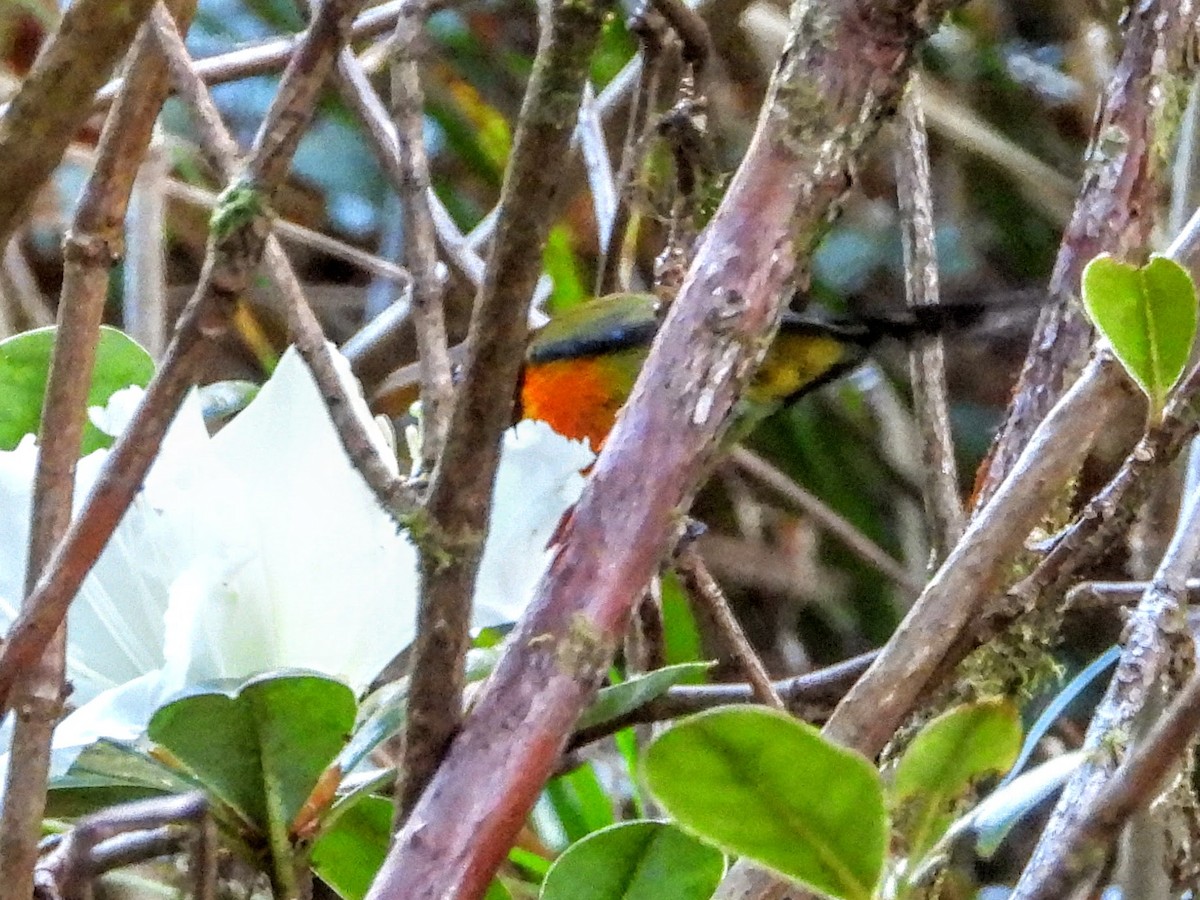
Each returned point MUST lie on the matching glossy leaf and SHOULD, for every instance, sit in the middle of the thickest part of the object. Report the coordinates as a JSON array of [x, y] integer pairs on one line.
[[636, 861], [384, 712], [580, 802], [995, 817], [25, 367], [761, 784], [348, 856], [1148, 315], [620, 699], [110, 772], [946, 758], [261, 748]]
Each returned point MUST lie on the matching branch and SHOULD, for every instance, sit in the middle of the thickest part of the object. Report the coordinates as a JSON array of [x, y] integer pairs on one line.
[[392, 493], [130, 833], [703, 589], [1115, 213], [1109, 514], [807, 696], [459, 500], [927, 364], [272, 56], [843, 74], [90, 249], [55, 99], [1097, 801], [237, 237], [420, 254]]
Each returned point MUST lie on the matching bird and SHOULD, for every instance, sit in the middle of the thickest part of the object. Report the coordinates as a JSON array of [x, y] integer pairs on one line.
[[580, 367]]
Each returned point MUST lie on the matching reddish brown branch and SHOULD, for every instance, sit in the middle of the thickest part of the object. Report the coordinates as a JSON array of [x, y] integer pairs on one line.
[[843, 74]]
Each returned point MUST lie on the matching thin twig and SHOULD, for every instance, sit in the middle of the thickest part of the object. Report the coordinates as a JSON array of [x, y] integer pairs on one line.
[[56, 97], [144, 311], [237, 237], [927, 364], [825, 517], [420, 241], [651, 30], [90, 249], [1097, 800], [19, 276], [286, 229], [703, 588], [460, 490], [805, 695], [600, 177], [129, 833], [392, 493], [1115, 213]]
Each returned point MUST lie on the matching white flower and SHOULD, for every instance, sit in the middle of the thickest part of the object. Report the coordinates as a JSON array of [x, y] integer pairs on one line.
[[261, 548]]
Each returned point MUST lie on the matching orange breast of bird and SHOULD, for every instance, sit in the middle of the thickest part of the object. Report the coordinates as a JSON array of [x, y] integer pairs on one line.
[[579, 398]]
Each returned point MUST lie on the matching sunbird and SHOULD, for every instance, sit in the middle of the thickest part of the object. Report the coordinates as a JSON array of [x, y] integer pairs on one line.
[[580, 366]]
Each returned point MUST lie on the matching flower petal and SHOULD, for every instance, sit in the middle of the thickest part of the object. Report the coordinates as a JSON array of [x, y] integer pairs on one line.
[[326, 583], [537, 481]]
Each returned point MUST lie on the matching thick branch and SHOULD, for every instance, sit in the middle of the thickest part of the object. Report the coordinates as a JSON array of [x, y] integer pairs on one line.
[[842, 73]]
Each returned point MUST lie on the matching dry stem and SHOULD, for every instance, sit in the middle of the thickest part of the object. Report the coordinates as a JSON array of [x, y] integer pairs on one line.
[[91, 248], [56, 97], [927, 364], [420, 240]]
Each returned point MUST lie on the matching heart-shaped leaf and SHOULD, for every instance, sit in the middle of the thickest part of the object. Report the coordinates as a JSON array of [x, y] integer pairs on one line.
[[945, 758], [1148, 315], [761, 784], [25, 367], [636, 861], [262, 748]]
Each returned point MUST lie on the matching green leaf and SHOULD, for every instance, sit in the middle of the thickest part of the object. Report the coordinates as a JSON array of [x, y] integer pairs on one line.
[[636, 861], [107, 773], [261, 748], [384, 712], [761, 784], [1148, 315], [580, 802], [945, 759], [348, 856], [681, 635], [25, 367], [620, 699]]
